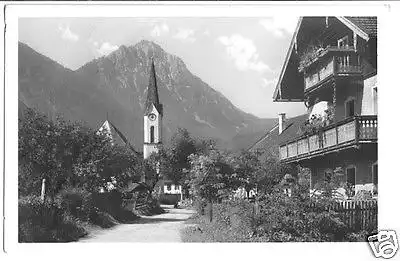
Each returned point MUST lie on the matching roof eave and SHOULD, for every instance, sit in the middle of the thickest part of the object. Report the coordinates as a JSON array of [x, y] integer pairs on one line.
[[288, 55], [353, 27]]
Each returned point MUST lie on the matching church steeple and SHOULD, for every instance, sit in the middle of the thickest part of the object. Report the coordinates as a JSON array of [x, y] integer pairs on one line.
[[152, 118], [152, 92]]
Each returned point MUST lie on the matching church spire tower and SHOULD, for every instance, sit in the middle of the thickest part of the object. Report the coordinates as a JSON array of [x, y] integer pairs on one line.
[[153, 113]]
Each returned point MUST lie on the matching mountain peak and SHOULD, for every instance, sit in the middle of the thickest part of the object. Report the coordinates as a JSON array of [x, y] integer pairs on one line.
[[145, 42], [118, 84]]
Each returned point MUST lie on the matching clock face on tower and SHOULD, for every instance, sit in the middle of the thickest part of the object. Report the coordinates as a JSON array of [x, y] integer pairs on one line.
[[152, 117]]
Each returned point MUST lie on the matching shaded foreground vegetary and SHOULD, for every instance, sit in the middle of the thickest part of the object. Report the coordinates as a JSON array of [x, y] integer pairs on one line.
[[77, 163], [276, 219], [274, 215]]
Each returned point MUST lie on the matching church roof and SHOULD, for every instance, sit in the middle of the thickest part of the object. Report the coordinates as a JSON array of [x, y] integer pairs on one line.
[[115, 135], [152, 92]]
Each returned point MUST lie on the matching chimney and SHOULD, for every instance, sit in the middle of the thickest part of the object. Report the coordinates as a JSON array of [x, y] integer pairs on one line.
[[282, 119]]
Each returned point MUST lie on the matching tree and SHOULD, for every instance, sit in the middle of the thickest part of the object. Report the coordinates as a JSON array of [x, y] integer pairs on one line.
[[156, 166], [182, 146], [211, 176], [177, 163], [69, 154], [249, 169], [272, 173]]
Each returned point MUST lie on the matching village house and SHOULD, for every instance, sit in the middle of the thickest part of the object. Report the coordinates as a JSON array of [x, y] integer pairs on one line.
[[331, 66]]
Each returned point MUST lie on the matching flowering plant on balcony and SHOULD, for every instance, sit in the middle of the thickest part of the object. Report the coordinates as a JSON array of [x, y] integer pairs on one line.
[[310, 54], [316, 122]]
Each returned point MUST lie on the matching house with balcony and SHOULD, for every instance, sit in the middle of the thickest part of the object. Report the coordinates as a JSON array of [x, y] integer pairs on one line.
[[331, 66]]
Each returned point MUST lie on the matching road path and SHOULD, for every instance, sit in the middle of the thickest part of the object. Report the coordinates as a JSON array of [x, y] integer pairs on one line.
[[158, 228]]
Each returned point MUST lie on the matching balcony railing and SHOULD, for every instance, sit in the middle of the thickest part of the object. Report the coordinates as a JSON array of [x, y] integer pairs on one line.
[[332, 62], [352, 131]]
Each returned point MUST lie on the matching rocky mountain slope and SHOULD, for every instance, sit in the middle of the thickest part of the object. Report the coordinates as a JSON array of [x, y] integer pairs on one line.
[[117, 85]]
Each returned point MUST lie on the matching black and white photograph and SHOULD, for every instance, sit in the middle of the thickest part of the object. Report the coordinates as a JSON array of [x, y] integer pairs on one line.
[[159, 123]]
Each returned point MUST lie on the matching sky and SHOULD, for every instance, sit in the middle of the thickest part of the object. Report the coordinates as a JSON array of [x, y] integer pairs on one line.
[[239, 57]]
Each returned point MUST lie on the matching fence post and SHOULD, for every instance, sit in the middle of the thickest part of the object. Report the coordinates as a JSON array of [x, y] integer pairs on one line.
[[43, 192], [256, 209], [358, 217], [210, 212]]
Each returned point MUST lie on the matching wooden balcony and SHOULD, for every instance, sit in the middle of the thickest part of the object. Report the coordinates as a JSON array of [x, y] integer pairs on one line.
[[331, 62], [344, 134]]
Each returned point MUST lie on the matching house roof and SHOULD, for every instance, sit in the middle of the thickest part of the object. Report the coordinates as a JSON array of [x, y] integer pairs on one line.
[[290, 55], [22, 107], [365, 27], [367, 24], [152, 92], [116, 136], [292, 128], [271, 140], [135, 187]]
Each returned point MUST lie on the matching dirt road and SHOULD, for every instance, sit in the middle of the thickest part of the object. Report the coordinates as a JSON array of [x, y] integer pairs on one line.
[[158, 228]]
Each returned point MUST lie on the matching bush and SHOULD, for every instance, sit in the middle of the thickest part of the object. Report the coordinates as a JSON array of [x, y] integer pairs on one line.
[[45, 222], [186, 203], [103, 220], [200, 205], [232, 222], [150, 207], [31, 209], [363, 195], [77, 202], [111, 203], [361, 236], [278, 218], [298, 218]]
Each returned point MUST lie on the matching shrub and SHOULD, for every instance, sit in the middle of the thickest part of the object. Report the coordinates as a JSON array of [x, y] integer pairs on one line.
[[150, 207], [103, 219], [363, 195], [45, 222], [77, 202], [31, 209], [232, 222], [361, 236], [298, 218], [200, 205], [109, 202], [186, 203], [71, 229]]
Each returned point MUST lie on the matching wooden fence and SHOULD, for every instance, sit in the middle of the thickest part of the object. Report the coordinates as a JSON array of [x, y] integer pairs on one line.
[[359, 215]]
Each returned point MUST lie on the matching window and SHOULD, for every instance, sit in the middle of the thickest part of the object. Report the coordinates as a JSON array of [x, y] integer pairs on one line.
[[169, 187], [328, 175], [287, 191], [350, 107], [152, 134], [351, 179], [343, 42], [375, 178]]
